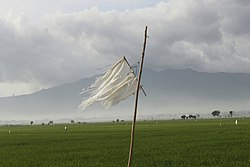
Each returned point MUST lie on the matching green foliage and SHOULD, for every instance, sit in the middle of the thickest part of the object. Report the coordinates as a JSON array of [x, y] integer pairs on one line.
[[176, 143], [231, 113], [216, 113]]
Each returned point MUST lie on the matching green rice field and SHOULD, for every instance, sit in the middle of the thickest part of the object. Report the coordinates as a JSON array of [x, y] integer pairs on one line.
[[172, 143]]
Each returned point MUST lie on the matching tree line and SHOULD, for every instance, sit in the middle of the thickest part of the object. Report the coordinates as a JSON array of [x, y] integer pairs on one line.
[[215, 113]]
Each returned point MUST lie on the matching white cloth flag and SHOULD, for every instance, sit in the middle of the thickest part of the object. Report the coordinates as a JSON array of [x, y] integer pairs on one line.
[[115, 85]]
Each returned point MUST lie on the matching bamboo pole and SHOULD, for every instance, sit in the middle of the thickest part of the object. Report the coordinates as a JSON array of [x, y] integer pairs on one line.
[[135, 76], [136, 101]]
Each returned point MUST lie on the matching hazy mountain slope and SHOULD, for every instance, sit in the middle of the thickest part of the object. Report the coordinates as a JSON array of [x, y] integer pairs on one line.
[[169, 92], [58, 101], [189, 82], [188, 91]]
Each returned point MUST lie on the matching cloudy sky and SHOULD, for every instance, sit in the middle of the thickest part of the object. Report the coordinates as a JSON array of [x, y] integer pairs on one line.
[[45, 43]]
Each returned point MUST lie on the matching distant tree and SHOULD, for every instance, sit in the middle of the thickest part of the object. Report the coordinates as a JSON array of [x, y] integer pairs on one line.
[[192, 116], [72, 121], [42, 123], [231, 113], [117, 120], [183, 117], [50, 123], [31, 122], [216, 113]]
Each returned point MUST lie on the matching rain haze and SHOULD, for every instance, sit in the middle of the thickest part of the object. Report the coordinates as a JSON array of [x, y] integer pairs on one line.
[[44, 44]]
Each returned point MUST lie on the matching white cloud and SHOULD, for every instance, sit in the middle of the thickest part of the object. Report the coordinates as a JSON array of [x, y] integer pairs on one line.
[[62, 47]]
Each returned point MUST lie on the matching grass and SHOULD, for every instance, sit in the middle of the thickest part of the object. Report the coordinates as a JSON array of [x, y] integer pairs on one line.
[[175, 143]]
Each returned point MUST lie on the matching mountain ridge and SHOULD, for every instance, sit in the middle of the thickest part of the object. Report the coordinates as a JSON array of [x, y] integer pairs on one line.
[[169, 92]]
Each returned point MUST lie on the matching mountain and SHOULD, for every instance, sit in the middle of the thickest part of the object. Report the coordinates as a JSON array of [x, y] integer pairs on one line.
[[170, 92]]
